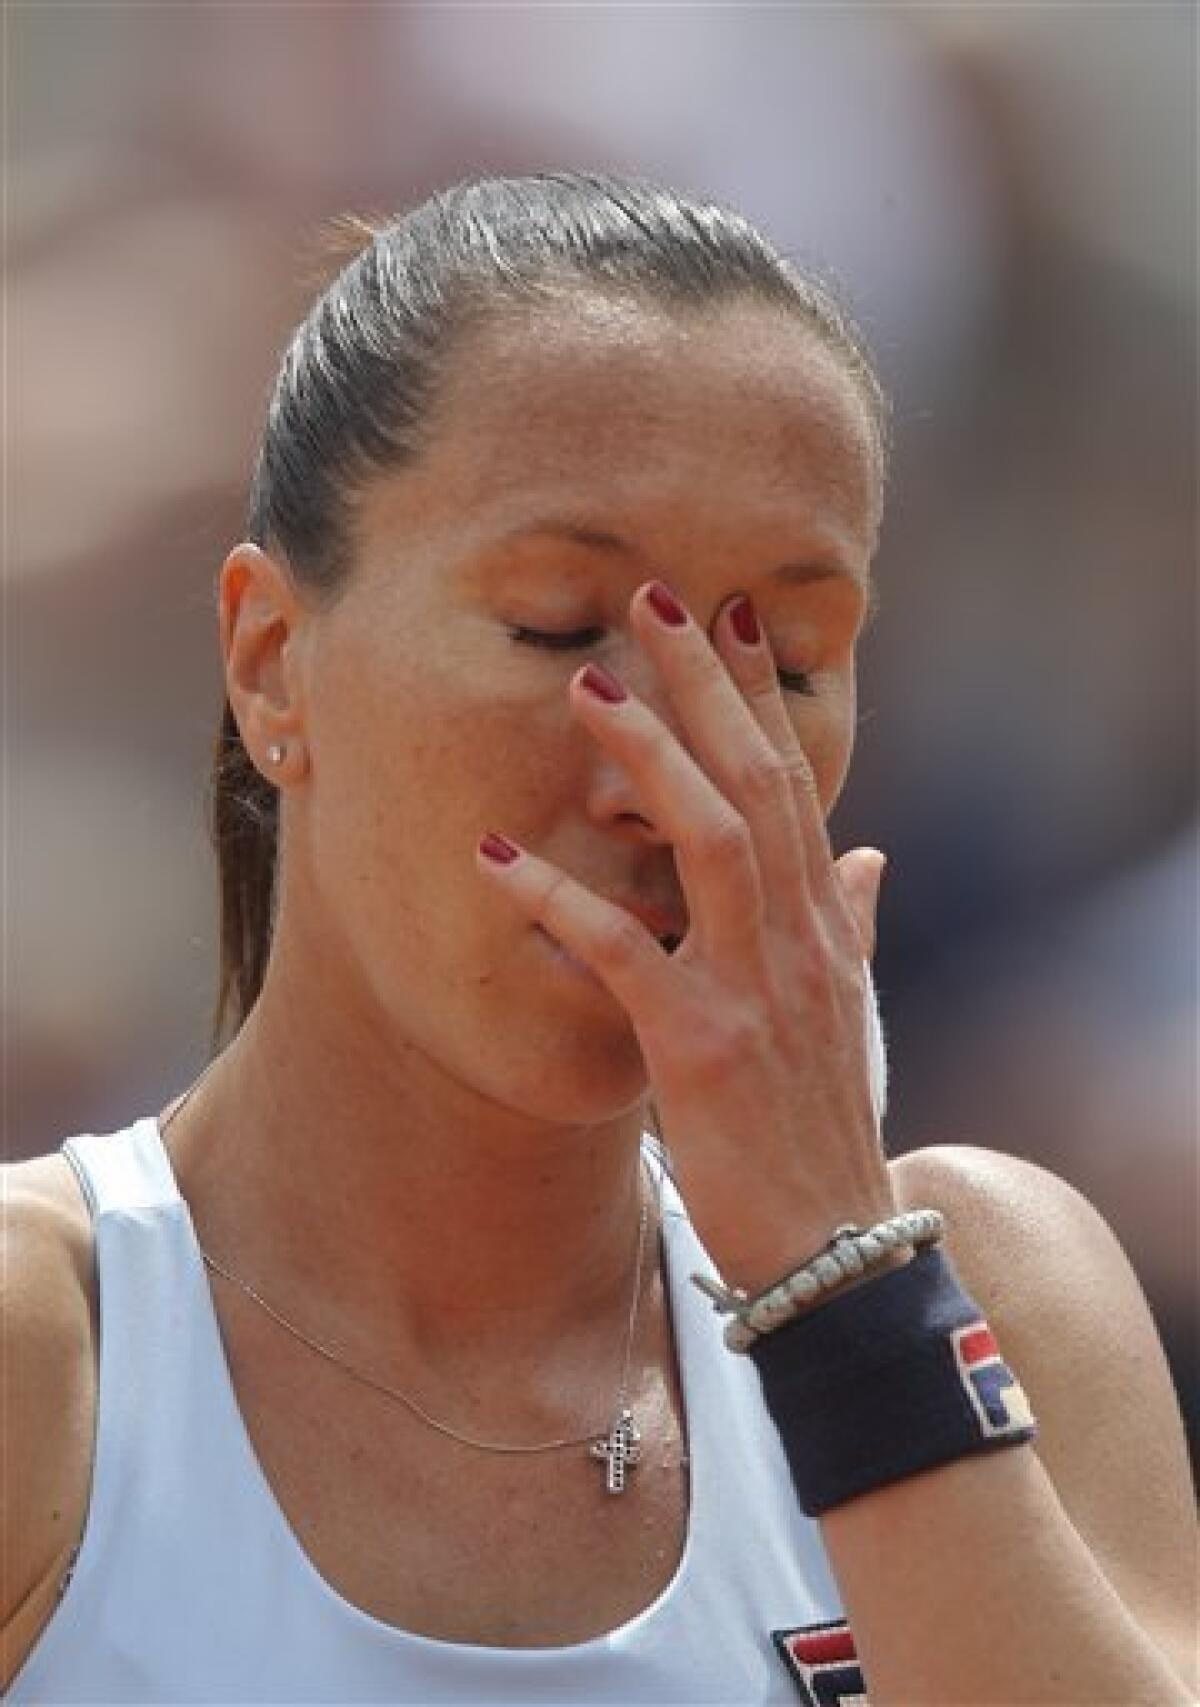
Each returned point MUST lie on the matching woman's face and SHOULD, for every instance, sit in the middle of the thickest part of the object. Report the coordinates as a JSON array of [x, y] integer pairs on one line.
[[573, 455]]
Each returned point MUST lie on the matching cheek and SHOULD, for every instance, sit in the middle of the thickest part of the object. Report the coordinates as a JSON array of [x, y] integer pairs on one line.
[[433, 750], [828, 740], [499, 758]]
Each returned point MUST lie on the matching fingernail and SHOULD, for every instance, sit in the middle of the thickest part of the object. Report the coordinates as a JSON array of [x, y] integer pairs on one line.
[[602, 684], [498, 849], [665, 605], [745, 622]]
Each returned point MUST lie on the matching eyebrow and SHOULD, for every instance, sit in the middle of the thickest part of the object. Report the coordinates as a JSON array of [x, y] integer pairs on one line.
[[599, 539]]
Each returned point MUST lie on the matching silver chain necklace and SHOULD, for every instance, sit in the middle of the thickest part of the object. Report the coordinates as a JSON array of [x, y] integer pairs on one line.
[[619, 1449]]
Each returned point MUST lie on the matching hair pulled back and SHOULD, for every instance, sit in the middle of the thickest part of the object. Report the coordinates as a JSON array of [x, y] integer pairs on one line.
[[356, 384]]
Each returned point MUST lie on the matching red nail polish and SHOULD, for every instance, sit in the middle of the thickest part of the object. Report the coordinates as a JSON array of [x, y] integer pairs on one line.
[[498, 849], [600, 682], [745, 622], [664, 603]]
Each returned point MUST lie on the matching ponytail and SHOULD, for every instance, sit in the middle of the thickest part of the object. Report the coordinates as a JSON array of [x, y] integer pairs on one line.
[[243, 824]]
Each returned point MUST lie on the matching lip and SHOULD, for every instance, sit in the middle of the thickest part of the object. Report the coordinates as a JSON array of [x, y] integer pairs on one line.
[[659, 921]]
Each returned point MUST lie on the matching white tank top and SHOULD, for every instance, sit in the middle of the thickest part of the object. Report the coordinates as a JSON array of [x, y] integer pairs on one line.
[[190, 1585]]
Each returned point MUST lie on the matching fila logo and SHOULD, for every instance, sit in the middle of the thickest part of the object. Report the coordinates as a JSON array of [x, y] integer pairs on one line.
[[822, 1660], [996, 1396]]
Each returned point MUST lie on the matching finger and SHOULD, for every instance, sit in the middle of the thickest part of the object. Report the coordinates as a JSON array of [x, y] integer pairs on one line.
[[712, 843], [760, 770], [860, 873], [618, 948], [751, 666]]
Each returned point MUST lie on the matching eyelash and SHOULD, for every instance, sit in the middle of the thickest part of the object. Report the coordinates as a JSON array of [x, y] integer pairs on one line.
[[790, 680]]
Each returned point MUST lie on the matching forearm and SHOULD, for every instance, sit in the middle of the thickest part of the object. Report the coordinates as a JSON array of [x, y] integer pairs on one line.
[[968, 1584]]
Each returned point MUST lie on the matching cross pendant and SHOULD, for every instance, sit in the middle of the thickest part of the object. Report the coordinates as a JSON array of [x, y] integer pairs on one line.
[[620, 1447]]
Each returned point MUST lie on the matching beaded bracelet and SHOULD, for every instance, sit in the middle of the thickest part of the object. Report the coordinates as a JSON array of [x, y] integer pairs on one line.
[[850, 1252]]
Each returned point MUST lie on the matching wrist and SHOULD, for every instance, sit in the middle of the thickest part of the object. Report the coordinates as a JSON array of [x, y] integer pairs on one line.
[[886, 1381], [851, 1255]]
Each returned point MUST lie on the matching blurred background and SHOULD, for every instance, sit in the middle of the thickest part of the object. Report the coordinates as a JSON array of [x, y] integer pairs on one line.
[[1007, 196]]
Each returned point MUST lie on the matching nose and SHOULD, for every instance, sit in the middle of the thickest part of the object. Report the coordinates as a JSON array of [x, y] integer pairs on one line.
[[613, 796]]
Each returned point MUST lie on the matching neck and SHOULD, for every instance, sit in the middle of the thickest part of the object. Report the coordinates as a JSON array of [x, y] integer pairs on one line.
[[400, 1207]]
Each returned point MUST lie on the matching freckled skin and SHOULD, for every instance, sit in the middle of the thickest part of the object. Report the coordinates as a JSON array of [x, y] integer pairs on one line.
[[721, 445]]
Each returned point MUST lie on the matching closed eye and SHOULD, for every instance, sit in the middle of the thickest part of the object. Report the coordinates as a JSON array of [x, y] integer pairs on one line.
[[792, 681]]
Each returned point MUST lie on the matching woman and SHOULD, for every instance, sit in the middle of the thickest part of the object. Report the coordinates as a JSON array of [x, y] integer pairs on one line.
[[540, 677]]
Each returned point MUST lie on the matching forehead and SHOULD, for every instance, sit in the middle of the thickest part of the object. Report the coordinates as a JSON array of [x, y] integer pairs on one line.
[[721, 423]]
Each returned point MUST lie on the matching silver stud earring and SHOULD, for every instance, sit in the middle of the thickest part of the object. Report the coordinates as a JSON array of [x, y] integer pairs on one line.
[[275, 753]]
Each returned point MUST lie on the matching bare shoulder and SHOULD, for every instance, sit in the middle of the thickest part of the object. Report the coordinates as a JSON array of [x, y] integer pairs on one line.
[[987, 1195], [1072, 1322], [48, 1324], [1025, 1241]]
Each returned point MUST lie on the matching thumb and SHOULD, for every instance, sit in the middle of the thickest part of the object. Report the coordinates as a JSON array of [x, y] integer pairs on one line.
[[861, 874]]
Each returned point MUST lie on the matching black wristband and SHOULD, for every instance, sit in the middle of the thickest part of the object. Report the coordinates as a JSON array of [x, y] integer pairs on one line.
[[886, 1379]]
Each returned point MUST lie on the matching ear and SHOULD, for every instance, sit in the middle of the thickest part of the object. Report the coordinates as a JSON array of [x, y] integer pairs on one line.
[[261, 618]]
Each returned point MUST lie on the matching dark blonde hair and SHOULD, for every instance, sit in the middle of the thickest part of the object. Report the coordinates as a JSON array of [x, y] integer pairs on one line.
[[356, 382]]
